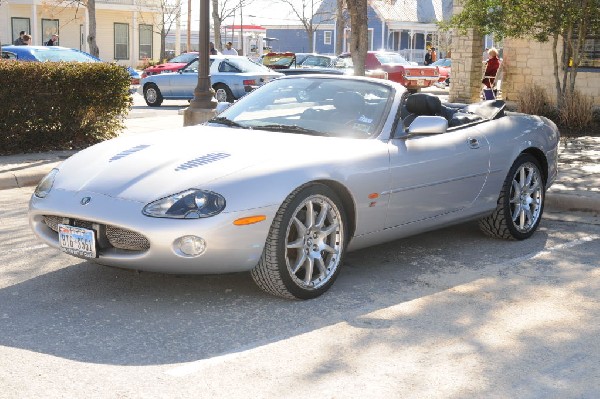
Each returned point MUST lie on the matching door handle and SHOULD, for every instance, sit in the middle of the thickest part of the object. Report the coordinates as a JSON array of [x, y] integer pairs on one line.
[[473, 142]]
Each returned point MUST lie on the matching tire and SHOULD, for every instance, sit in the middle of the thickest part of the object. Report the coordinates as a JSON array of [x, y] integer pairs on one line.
[[223, 93], [521, 202], [302, 259], [152, 95]]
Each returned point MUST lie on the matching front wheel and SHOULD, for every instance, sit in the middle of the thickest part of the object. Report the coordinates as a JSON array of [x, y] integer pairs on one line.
[[305, 246], [152, 95], [223, 93], [521, 202]]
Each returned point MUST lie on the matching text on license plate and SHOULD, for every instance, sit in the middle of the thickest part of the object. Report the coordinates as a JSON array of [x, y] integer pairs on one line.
[[77, 240]]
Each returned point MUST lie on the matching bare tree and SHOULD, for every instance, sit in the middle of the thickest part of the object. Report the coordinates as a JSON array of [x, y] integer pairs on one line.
[[309, 14], [221, 10], [359, 34], [162, 19]]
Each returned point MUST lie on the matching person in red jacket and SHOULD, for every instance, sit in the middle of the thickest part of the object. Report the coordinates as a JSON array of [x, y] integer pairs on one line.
[[491, 68]]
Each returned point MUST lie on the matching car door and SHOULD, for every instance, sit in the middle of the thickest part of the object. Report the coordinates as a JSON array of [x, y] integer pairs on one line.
[[182, 84], [433, 175]]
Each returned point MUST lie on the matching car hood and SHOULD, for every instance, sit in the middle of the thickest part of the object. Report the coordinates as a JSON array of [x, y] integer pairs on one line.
[[166, 66], [153, 165]]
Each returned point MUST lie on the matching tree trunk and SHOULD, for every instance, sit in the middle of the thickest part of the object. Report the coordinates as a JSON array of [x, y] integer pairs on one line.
[[311, 39], [340, 25], [163, 36], [556, 68], [217, 25], [359, 34], [91, 39]]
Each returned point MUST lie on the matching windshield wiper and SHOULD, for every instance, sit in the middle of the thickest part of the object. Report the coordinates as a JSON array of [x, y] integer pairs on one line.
[[227, 122], [292, 129]]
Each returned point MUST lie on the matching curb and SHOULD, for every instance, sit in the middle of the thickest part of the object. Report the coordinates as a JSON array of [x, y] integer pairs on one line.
[[572, 202]]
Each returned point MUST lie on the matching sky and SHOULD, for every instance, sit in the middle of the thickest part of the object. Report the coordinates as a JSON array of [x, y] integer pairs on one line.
[[259, 12]]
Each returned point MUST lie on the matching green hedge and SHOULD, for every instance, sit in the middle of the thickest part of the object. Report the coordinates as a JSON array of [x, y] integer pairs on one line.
[[60, 105]]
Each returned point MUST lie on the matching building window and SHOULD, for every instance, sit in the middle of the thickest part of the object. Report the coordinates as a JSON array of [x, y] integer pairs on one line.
[[18, 25], [49, 28], [591, 52], [327, 37], [121, 41], [145, 41]]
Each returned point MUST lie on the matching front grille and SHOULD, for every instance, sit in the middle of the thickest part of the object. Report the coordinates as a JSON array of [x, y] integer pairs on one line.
[[116, 237], [126, 239]]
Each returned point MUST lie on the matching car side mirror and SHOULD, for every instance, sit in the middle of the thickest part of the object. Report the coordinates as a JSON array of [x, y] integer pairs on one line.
[[428, 125]]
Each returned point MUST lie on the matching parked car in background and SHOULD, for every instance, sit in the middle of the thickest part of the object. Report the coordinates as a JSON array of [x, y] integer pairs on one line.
[[231, 77], [287, 180], [56, 54], [347, 65], [288, 64], [444, 65], [319, 61], [408, 74], [174, 64]]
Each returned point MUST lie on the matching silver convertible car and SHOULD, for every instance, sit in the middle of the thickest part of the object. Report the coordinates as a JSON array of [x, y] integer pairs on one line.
[[292, 176]]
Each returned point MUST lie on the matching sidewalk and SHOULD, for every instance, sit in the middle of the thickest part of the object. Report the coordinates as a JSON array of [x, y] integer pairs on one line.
[[576, 189]]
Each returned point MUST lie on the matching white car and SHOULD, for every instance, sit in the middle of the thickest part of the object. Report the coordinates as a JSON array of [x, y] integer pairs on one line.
[[231, 77]]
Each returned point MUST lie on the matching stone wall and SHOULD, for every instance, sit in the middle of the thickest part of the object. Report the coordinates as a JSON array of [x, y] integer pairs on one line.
[[527, 62], [465, 78]]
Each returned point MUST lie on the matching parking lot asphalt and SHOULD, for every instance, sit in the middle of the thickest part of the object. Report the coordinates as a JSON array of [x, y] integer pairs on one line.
[[577, 187]]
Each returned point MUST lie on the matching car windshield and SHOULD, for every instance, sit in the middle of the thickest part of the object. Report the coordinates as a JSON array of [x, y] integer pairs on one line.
[[184, 58], [318, 61], [279, 59], [55, 55], [233, 64], [322, 106], [391, 58]]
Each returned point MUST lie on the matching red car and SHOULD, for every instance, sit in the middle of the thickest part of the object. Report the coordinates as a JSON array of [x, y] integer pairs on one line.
[[444, 66], [174, 64], [410, 75]]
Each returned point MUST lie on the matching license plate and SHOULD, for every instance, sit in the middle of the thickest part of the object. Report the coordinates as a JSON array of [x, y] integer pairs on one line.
[[77, 240], [420, 82]]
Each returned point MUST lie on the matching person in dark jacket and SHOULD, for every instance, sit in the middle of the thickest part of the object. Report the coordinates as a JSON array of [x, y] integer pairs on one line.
[[53, 41], [427, 57], [19, 40]]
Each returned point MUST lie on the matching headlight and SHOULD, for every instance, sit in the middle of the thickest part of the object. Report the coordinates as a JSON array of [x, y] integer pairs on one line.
[[189, 204], [45, 185]]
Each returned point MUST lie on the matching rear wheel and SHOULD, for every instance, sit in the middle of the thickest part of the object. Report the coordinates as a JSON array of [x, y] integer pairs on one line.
[[305, 246], [223, 93], [521, 202], [152, 95]]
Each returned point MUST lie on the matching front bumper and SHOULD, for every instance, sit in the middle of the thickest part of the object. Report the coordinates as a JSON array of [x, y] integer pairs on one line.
[[229, 248]]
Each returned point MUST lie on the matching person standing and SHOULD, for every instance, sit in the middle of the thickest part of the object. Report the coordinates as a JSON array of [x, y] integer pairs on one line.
[[19, 40], [229, 50], [491, 68], [433, 55], [211, 49], [53, 41], [427, 57], [26, 40]]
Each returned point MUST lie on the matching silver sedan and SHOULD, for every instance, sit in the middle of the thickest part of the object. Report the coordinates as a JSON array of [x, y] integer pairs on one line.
[[289, 178]]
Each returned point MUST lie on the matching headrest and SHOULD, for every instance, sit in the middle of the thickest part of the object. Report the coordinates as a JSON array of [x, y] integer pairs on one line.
[[349, 101], [423, 104]]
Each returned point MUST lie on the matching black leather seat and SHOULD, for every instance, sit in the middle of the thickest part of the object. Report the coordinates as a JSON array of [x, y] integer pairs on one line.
[[425, 104]]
